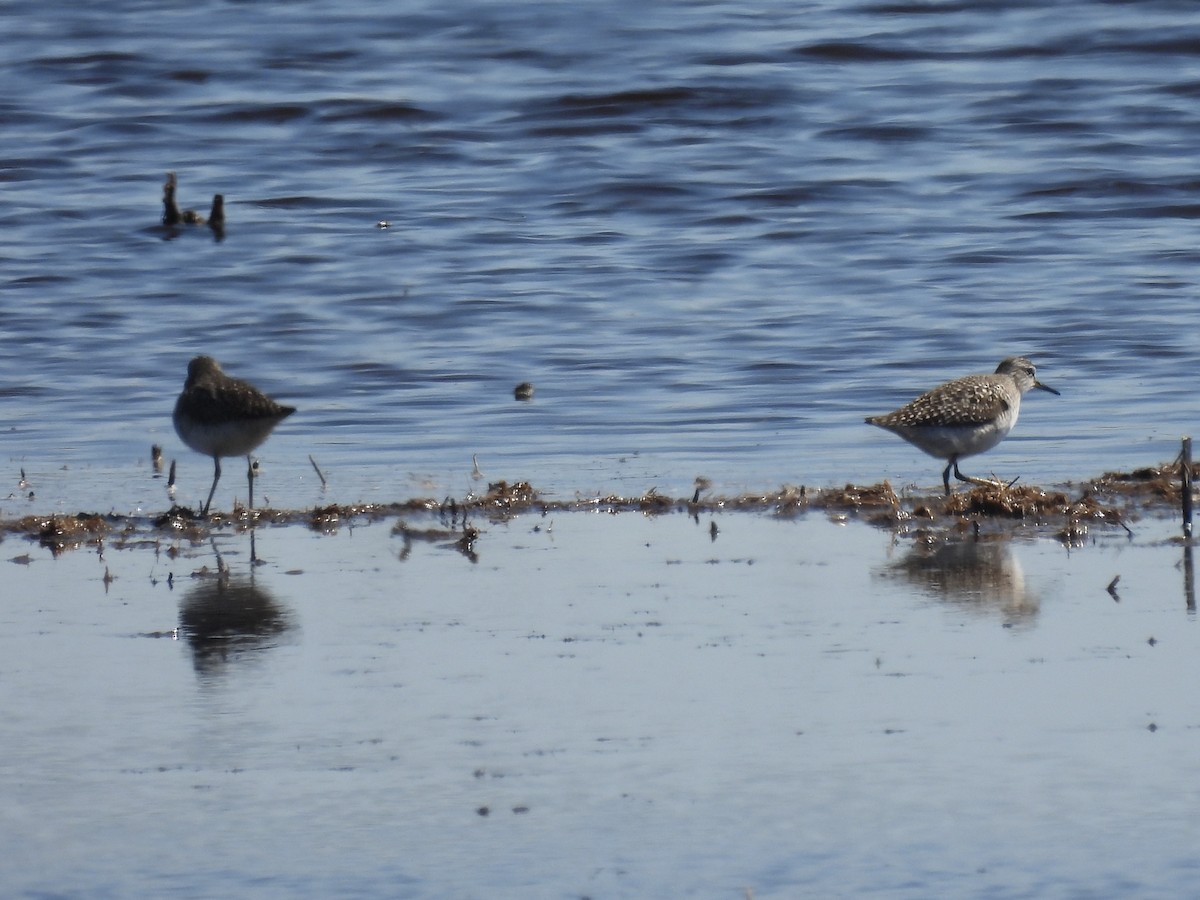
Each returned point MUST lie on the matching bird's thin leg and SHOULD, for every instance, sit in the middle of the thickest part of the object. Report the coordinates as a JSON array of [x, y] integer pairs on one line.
[[212, 490], [250, 480], [953, 464]]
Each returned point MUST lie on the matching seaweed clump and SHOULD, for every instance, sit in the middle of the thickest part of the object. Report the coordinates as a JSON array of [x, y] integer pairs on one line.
[[1009, 502], [1156, 482], [504, 497], [879, 502], [60, 533]]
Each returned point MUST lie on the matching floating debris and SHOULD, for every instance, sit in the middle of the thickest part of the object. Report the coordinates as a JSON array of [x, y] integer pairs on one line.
[[317, 469], [1112, 588], [173, 217]]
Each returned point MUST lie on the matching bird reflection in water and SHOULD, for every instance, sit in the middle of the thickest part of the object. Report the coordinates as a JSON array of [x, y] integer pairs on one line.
[[983, 575], [227, 616]]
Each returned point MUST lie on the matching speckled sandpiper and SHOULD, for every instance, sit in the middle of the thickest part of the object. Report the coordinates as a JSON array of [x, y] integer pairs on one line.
[[966, 416], [222, 416]]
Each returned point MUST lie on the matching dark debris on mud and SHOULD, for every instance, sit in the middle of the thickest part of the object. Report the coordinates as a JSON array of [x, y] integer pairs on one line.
[[64, 532], [1067, 513]]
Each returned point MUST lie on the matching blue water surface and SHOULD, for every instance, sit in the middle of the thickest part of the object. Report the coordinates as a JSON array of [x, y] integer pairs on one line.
[[713, 236]]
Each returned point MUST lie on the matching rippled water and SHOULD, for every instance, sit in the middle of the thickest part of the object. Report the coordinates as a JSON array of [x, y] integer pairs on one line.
[[714, 236]]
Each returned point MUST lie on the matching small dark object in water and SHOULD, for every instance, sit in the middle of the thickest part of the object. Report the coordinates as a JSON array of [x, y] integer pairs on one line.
[[523, 391], [1112, 588], [171, 213], [317, 469], [216, 216]]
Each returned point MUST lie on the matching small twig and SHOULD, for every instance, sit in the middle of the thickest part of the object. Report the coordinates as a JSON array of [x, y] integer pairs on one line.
[[317, 469], [1112, 588], [1001, 483]]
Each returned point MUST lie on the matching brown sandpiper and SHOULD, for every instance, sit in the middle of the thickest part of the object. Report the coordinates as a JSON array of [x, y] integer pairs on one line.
[[219, 415]]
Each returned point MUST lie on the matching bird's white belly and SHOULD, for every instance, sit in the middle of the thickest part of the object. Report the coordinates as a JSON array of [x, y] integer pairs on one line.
[[958, 441], [233, 438]]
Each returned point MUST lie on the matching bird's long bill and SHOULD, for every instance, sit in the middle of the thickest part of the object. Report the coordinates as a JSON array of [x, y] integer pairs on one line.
[[1046, 387]]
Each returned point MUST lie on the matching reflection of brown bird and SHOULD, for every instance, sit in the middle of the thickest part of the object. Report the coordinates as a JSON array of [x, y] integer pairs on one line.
[[226, 615], [222, 416], [966, 416]]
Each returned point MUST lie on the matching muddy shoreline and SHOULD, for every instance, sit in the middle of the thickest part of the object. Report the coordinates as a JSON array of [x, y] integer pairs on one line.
[[1067, 513]]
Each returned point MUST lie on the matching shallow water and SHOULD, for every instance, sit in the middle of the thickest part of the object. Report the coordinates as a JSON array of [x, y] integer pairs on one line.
[[601, 705], [713, 236]]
